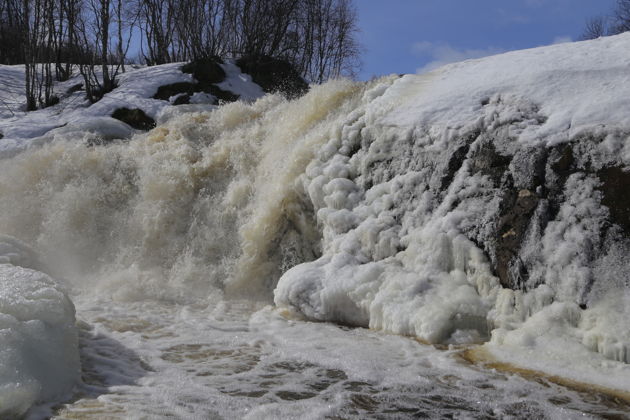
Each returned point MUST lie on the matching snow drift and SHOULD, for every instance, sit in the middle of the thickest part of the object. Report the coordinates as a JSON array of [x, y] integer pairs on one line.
[[39, 357], [479, 203]]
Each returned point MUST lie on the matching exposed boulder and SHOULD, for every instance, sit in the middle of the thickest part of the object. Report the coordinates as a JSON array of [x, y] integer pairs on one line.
[[74, 88], [487, 161], [182, 99], [273, 75], [165, 92], [220, 94], [207, 73], [206, 70], [517, 198], [135, 118], [517, 209], [616, 195]]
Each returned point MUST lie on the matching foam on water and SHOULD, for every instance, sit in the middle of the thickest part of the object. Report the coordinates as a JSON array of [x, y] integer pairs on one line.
[[236, 359], [203, 204]]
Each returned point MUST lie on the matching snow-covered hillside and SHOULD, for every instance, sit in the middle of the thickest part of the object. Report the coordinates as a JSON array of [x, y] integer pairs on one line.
[[74, 114], [480, 206]]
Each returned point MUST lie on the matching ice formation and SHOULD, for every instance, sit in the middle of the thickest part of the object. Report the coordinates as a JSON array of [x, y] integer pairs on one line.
[[39, 357], [481, 202]]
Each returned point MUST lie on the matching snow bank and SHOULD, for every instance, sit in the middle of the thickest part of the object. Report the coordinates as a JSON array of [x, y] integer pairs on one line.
[[74, 116], [576, 87], [39, 358]]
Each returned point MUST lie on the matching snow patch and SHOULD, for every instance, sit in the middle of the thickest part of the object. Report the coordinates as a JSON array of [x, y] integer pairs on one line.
[[39, 358]]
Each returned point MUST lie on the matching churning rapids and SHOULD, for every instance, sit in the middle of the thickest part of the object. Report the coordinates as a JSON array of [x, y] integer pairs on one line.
[[347, 254]]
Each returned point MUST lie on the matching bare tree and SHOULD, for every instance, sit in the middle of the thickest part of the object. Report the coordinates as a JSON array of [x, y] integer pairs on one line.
[[317, 36], [157, 22], [621, 18], [264, 24], [617, 23], [104, 40], [39, 35], [595, 28], [203, 29], [12, 32], [69, 51], [324, 44]]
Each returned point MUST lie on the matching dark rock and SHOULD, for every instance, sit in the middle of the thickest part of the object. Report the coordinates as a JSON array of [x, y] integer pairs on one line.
[[527, 200], [1, 136], [517, 209], [136, 118], [273, 75], [528, 193], [206, 70], [96, 94], [53, 100], [220, 94], [74, 88], [560, 165], [167, 91], [454, 163], [182, 100], [565, 162], [530, 190], [487, 161], [187, 89], [615, 187], [527, 168]]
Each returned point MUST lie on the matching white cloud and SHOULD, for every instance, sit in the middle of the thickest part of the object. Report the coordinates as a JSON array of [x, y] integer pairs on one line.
[[546, 3], [505, 17], [442, 53], [561, 40]]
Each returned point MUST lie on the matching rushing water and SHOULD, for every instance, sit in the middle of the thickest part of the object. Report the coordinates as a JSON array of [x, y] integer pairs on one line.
[[175, 245], [154, 360]]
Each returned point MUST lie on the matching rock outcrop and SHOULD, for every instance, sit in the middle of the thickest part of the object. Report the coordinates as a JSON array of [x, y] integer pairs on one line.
[[135, 118], [273, 75]]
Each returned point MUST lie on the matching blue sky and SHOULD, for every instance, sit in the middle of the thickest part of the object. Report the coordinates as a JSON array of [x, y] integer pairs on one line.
[[404, 36]]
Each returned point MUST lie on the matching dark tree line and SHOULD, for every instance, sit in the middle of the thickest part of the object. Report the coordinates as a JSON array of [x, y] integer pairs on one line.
[[53, 38], [615, 23], [317, 36], [11, 32]]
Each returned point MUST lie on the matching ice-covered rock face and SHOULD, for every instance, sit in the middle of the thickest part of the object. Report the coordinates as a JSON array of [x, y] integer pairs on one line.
[[457, 204], [39, 358], [419, 239]]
